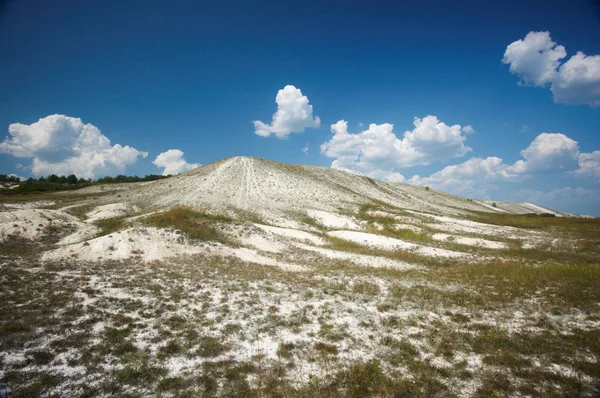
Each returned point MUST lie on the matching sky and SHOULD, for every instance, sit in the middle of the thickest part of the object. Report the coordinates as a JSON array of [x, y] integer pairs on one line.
[[491, 100]]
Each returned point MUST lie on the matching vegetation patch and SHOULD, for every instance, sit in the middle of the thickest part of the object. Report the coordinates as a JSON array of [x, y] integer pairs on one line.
[[197, 225]]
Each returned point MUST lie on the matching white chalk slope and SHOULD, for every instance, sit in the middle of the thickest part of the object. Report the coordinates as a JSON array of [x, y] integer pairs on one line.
[[261, 185]]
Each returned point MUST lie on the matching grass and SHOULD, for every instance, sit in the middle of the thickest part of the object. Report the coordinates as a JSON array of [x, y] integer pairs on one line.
[[366, 288], [211, 347], [196, 225], [521, 316], [286, 350], [572, 285], [335, 243], [216, 377], [57, 196], [543, 222], [111, 225], [387, 224]]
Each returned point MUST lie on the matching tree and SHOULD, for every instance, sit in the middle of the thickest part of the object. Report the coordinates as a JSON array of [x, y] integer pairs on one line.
[[72, 179], [52, 178]]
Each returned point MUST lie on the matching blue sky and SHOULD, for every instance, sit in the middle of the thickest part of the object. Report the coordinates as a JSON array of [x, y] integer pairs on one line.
[[193, 76]]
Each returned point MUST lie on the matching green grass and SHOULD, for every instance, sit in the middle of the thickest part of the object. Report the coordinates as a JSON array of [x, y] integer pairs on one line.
[[535, 221], [197, 225], [67, 196], [456, 308], [286, 350], [404, 234], [387, 224], [399, 255], [211, 347], [326, 348], [366, 288], [111, 225], [573, 285]]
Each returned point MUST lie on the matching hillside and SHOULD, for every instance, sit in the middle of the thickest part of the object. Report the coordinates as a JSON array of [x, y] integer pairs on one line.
[[258, 184], [249, 277]]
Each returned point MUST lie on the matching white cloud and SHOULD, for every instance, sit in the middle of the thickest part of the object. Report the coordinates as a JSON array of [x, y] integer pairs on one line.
[[387, 176], [378, 148], [378, 174], [475, 177], [172, 162], [578, 81], [63, 145], [468, 129], [305, 149], [589, 166], [536, 60], [294, 114], [549, 152]]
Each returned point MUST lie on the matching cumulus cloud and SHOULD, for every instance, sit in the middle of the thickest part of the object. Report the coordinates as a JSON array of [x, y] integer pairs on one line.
[[468, 129], [61, 144], [172, 162], [549, 152], [536, 60], [589, 166], [378, 148], [578, 81], [294, 114], [305, 149], [476, 176]]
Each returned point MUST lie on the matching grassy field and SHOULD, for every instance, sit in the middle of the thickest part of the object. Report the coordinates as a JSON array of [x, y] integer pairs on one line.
[[513, 322]]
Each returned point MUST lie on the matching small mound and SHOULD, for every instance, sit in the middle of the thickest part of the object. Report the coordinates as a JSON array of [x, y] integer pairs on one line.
[[152, 244], [33, 224], [489, 244], [387, 243], [145, 244], [377, 241], [331, 220], [110, 211], [362, 260]]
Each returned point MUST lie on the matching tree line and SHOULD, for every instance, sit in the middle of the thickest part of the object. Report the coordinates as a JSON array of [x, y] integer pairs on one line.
[[54, 182]]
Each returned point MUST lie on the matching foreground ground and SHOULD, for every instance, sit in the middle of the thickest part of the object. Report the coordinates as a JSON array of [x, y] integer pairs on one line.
[[102, 299]]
